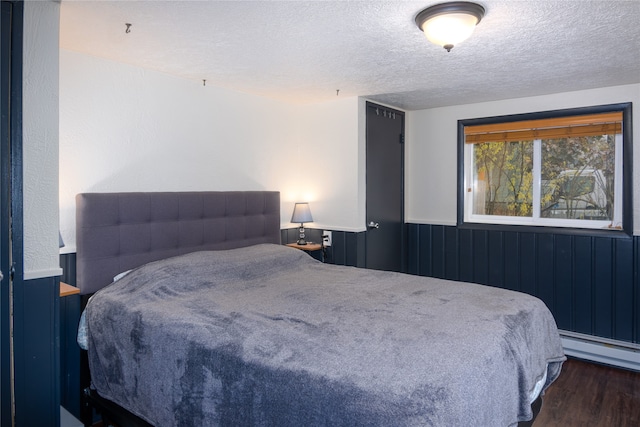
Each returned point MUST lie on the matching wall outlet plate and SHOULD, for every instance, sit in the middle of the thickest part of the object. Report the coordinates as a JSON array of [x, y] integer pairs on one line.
[[326, 237]]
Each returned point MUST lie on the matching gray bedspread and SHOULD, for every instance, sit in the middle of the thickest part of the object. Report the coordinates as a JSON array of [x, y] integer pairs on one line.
[[268, 336]]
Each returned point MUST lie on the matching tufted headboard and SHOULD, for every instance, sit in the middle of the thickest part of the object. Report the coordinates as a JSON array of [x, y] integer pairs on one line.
[[116, 232]]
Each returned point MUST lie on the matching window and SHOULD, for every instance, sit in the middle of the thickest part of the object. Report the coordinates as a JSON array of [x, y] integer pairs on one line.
[[556, 169]]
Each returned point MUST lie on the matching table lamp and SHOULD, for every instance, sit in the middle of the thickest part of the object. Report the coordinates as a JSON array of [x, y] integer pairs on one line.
[[301, 214]]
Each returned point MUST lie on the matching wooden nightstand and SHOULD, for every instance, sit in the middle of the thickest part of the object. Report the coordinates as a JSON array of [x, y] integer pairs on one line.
[[312, 249], [66, 290], [309, 247]]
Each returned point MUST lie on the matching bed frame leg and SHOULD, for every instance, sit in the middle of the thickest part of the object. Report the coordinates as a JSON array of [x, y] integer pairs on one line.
[[86, 410], [536, 406]]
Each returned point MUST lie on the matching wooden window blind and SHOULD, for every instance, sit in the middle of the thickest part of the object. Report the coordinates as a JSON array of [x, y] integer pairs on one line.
[[552, 128]]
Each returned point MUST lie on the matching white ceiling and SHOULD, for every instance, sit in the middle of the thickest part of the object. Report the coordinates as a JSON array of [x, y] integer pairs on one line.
[[304, 51]]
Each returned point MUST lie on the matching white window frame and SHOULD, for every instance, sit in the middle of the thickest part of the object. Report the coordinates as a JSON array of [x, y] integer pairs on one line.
[[535, 219]]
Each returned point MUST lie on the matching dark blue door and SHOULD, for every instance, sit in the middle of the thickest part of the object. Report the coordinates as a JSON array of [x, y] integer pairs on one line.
[[385, 188]]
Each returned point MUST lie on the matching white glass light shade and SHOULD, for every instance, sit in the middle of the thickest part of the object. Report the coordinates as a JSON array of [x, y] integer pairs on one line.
[[449, 29], [301, 213], [447, 24]]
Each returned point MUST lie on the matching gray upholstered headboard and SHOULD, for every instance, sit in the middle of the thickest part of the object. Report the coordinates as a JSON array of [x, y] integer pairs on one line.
[[116, 232]]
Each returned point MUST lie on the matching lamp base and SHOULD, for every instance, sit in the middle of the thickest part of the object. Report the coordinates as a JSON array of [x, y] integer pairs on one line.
[[301, 240]]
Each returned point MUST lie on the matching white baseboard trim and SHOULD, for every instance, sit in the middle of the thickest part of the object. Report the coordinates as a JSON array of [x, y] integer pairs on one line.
[[602, 350]]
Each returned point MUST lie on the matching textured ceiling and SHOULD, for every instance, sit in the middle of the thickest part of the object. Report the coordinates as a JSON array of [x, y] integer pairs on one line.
[[304, 51]]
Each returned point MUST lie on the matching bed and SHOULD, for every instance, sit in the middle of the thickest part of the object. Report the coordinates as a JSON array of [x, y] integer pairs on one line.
[[214, 322]]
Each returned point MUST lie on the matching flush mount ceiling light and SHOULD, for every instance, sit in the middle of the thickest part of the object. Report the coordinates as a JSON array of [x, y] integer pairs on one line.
[[447, 24]]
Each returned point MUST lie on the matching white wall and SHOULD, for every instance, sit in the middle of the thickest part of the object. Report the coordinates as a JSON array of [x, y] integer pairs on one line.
[[431, 147], [40, 139], [331, 176], [124, 128]]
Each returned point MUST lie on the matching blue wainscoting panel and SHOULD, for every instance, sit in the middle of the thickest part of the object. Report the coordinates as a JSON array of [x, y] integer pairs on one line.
[[528, 264], [413, 245], [351, 249], [480, 257], [545, 283], [512, 263], [563, 281], [495, 245], [603, 275], [426, 257], [465, 255], [451, 270], [347, 248], [624, 290], [37, 352], [582, 315], [590, 284], [339, 248], [438, 251]]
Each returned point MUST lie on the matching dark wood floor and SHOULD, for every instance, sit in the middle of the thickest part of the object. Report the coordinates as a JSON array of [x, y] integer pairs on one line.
[[591, 395]]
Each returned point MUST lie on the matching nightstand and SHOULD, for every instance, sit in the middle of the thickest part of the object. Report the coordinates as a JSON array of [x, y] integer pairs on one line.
[[66, 290], [309, 247], [315, 250]]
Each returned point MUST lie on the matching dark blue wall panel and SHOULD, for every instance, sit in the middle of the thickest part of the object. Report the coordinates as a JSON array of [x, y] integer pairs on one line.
[[438, 251], [480, 257], [623, 290], [347, 248], [495, 245], [451, 269], [545, 274], [603, 291], [36, 352], [351, 249], [590, 284], [465, 255], [413, 247], [338, 247], [512, 262], [527, 263], [582, 314], [563, 281], [425, 261]]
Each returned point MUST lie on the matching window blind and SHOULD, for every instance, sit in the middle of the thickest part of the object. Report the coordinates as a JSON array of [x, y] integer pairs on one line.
[[552, 128]]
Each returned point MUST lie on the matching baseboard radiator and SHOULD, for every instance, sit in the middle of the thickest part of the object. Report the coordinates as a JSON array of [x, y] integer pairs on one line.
[[602, 350]]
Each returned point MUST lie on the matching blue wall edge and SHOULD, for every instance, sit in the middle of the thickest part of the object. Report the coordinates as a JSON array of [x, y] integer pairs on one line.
[[37, 351]]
